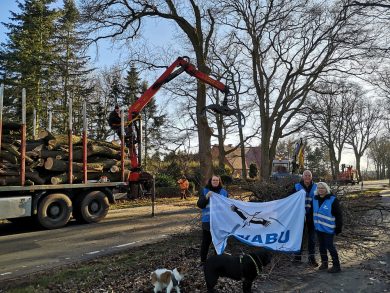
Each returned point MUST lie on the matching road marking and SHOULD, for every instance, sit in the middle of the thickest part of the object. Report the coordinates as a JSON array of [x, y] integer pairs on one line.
[[7, 273], [131, 243], [93, 252], [126, 244]]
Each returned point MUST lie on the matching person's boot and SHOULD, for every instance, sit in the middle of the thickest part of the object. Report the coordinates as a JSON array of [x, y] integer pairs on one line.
[[334, 269], [323, 266], [312, 262]]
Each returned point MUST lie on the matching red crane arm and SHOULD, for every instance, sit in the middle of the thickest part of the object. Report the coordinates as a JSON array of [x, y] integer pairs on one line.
[[169, 74]]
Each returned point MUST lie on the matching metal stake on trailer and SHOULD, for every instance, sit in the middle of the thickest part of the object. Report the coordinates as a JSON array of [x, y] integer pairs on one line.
[[23, 141], [70, 136], [122, 145], [85, 142], [1, 111]]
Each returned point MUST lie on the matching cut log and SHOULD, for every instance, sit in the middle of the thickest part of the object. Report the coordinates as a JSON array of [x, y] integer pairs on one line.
[[97, 150], [7, 156], [78, 177], [59, 155], [35, 177], [112, 145], [13, 180], [63, 140], [59, 165], [32, 144], [45, 135], [14, 151], [114, 169]]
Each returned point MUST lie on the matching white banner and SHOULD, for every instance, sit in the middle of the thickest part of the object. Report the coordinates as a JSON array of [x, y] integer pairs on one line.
[[276, 225]]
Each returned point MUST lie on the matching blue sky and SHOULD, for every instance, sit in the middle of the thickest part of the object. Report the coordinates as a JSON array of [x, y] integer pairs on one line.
[[155, 33]]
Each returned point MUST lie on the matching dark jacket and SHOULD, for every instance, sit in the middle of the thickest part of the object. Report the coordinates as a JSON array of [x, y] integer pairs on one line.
[[307, 189], [309, 213], [203, 201], [336, 211], [114, 120]]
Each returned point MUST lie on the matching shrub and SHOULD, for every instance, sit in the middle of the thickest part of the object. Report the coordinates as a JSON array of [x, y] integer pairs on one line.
[[268, 190], [253, 170], [167, 192], [226, 179], [163, 180]]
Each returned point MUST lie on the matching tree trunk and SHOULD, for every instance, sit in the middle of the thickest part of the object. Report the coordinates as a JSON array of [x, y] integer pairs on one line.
[[358, 159], [62, 166], [204, 134], [204, 131], [266, 160]]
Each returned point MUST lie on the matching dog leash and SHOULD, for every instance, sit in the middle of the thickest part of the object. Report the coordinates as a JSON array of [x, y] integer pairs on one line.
[[257, 268]]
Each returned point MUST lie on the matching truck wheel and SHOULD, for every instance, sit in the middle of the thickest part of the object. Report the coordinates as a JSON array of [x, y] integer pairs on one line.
[[54, 210], [93, 207]]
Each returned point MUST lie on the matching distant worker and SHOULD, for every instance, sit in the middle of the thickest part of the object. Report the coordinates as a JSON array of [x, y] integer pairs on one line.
[[310, 188], [183, 185], [114, 120]]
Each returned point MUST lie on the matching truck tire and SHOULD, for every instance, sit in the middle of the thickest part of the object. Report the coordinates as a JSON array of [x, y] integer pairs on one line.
[[92, 208], [54, 211]]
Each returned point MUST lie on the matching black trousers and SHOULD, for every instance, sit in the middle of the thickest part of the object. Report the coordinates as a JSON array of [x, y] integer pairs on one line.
[[311, 240], [205, 245], [326, 244]]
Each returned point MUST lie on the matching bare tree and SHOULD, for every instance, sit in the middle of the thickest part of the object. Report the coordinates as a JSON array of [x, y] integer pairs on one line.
[[379, 152], [364, 124], [371, 3], [228, 60], [329, 112], [123, 19], [289, 45]]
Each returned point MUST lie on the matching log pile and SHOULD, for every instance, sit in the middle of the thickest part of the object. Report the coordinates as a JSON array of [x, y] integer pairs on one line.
[[47, 159]]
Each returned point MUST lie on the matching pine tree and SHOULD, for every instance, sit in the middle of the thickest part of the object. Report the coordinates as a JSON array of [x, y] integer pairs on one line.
[[152, 125], [71, 65], [132, 87], [27, 57]]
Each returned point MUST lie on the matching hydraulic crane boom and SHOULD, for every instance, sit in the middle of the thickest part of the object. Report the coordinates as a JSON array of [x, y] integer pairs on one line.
[[181, 65], [133, 137]]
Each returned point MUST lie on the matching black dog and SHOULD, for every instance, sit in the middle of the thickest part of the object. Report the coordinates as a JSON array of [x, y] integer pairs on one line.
[[245, 267]]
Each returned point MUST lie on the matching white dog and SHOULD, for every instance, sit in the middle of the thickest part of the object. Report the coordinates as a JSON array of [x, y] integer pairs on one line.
[[163, 278]]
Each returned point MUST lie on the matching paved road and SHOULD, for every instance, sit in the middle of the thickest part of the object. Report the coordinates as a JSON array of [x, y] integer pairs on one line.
[[373, 184], [26, 251]]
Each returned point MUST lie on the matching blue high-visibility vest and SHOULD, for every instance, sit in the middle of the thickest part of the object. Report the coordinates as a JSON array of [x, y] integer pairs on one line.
[[206, 210], [309, 195], [324, 221]]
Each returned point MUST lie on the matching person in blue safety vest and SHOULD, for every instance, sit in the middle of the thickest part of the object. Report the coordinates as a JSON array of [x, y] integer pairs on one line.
[[328, 221], [310, 187], [214, 184]]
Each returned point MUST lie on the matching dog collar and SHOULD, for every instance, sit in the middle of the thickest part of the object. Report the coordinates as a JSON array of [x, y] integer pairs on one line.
[[174, 281], [257, 267]]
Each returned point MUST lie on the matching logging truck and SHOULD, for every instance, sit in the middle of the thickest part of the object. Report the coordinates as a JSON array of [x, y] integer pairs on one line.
[[42, 180], [76, 188]]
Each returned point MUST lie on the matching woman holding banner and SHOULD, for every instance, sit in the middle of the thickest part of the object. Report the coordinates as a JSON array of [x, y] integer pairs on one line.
[[327, 222], [214, 185]]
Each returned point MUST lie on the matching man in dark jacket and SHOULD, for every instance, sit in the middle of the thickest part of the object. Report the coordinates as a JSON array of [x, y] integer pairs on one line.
[[310, 187], [114, 120]]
